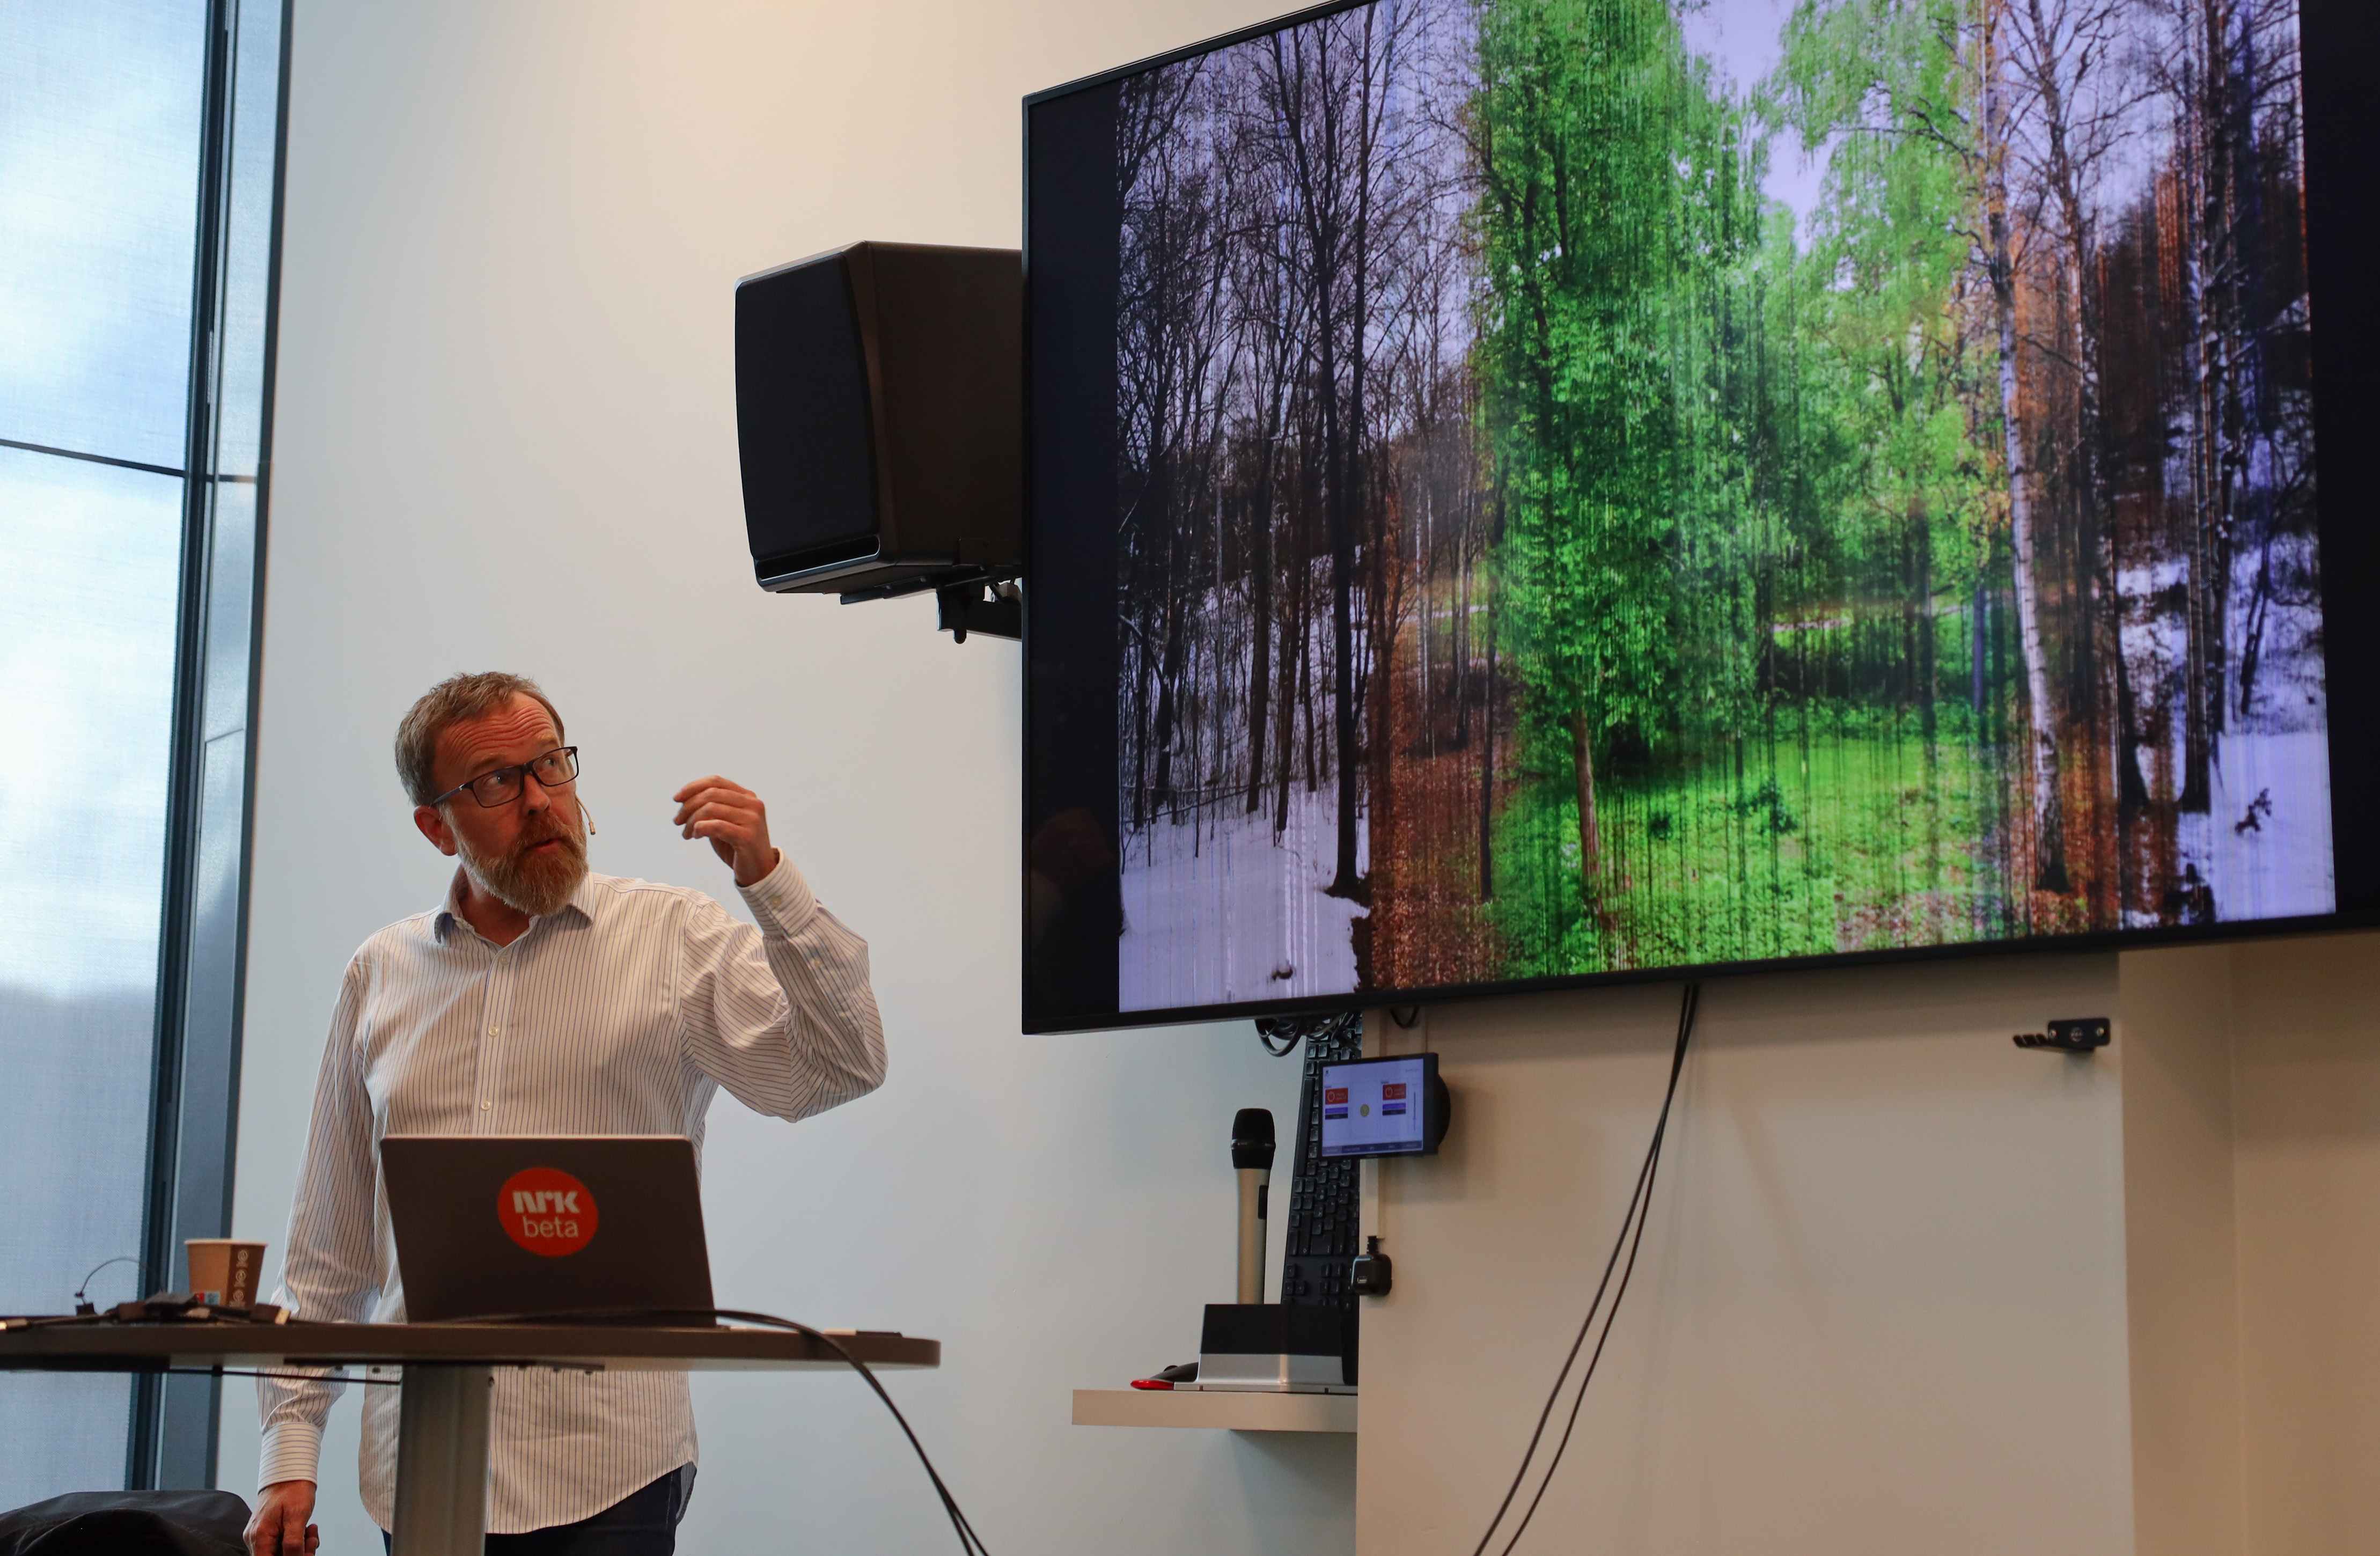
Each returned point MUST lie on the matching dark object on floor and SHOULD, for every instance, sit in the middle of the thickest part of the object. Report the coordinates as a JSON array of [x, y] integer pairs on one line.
[[127, 1523]]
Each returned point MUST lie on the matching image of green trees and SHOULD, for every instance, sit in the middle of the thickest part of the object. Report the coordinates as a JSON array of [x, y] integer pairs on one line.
[[1882, 511], [1719, 452]]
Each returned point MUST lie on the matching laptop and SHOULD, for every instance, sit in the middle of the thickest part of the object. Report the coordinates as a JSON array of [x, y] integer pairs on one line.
[[491, 1225]]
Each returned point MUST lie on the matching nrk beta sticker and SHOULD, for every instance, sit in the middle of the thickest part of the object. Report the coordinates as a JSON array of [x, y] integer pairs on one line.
[[547, 1212]]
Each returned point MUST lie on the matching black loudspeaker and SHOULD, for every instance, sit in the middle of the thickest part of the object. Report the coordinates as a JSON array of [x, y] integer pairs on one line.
[[879, 416]]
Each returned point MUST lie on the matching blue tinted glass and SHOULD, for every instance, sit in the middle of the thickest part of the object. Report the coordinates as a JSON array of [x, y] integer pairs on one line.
[[89, 563], [100, 133], [246, 281]]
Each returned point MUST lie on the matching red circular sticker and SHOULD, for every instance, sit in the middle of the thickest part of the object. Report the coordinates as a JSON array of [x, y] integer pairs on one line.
[[547, 1212]]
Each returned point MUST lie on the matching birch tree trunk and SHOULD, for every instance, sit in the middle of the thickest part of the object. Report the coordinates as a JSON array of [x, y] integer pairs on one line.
[[2049, 822]]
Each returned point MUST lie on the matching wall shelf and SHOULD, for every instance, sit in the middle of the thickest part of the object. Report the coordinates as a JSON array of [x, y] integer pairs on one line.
[[1233, 1412]]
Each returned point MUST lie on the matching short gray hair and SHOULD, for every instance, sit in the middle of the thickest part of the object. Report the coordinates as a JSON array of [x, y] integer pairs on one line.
[[456, 700]]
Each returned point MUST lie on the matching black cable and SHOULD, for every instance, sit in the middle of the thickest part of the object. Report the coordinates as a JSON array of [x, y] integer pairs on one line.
[[123, 1259], [58, 1321], [1631, 1239], [969, 1541], [1281, 1034], [1644, 1215]]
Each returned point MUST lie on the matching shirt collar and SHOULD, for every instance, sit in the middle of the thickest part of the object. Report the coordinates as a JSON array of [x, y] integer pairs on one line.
[[450, 914], [582, 901]]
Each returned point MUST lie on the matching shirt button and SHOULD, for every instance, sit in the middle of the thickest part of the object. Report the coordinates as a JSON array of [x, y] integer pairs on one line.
[[485, 1104], [492, 1031]]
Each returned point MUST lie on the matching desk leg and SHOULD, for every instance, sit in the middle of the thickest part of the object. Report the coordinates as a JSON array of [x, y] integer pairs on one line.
[[441, 1461]]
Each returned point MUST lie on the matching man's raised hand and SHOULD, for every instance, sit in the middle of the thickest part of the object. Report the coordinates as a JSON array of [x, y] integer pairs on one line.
[[733, 820]]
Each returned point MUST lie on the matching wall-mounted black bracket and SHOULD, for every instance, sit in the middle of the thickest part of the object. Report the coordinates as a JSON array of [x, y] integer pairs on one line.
[[994, 610], [2078, 1036]]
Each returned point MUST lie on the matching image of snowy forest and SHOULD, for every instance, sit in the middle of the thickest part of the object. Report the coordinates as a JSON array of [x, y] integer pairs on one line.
[[1613, 484]]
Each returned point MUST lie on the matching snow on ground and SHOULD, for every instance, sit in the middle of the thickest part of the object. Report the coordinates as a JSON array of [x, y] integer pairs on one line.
[[2264, 843], [1217, 913]]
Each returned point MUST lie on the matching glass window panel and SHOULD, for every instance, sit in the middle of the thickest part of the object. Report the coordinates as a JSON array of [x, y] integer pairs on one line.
[[101, 108], [248, 237], [231, 597], [91, 556]]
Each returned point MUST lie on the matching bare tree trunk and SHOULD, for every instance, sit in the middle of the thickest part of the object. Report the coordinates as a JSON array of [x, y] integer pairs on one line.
[[1140, 732], [1291, 655], [1916, 623], [2251, 315], [1260, 611], [2197, 741], [1461, 650], [1977, 650], [2049, 822], [1590, 835], [1306, 692], [2060, 60], [1487, 767], [1169, 673], [1929, 650], [1347, 438], [2214, 262]]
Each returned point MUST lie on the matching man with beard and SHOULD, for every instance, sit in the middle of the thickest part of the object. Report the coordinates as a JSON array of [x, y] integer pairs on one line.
[[544, 1000]]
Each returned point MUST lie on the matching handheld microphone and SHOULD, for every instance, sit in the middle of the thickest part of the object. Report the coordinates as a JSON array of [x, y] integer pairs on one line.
[[1252, 1145]]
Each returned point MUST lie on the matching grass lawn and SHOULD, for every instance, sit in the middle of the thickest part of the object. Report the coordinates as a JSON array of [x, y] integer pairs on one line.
[[1830, 830]]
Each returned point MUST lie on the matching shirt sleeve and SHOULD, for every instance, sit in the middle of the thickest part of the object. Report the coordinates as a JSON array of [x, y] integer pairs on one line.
[[784, 1016], [330, 1273]]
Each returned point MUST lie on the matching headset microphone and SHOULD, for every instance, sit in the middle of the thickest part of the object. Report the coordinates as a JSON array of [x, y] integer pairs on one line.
[[1252, 1146]]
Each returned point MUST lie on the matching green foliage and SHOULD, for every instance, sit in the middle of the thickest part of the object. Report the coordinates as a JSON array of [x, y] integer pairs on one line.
[[1898, 368], [1616, 195], [1746, 483]]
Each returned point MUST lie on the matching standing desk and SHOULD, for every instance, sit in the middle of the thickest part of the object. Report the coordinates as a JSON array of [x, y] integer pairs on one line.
[[441, 1444]]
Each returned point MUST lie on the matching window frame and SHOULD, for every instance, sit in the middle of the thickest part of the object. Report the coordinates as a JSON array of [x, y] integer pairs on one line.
[[172, 1439]]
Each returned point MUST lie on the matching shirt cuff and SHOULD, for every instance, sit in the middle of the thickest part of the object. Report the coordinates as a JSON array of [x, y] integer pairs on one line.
[[293, 1451], [782, 899]]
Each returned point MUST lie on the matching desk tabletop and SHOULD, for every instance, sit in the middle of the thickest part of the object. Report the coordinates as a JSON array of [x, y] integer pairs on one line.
[[112, 1348]]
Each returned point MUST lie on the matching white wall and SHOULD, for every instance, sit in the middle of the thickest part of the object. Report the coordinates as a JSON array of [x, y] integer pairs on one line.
[[506, 438], [1881, 1307], [1905, 1287], [2306, 1022], [2181, 1251]]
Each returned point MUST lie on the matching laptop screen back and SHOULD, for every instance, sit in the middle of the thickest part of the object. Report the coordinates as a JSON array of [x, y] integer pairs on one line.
[[494, 1225]]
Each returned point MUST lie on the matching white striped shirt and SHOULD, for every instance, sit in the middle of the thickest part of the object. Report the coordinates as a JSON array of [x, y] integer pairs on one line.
[[623, 1013]]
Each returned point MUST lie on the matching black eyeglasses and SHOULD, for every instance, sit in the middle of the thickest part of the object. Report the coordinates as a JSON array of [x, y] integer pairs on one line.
[[503, 786]]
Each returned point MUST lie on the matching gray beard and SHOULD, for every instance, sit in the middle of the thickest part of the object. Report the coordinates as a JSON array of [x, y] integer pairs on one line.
[[526, 882]]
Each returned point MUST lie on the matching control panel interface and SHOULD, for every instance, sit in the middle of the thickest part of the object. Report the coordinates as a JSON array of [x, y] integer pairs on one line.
[[1373, 1107]]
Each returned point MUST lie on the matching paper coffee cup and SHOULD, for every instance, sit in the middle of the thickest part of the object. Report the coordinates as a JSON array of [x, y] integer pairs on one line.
[[224, 1271]]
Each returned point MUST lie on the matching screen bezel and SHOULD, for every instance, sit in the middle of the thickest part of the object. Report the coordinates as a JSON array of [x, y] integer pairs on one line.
[[2339, 62]]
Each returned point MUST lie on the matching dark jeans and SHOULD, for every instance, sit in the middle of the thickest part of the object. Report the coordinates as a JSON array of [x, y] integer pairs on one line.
[[640, 1524]]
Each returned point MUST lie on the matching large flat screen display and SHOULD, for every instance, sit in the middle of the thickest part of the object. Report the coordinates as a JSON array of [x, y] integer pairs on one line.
[[1527, 492]]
